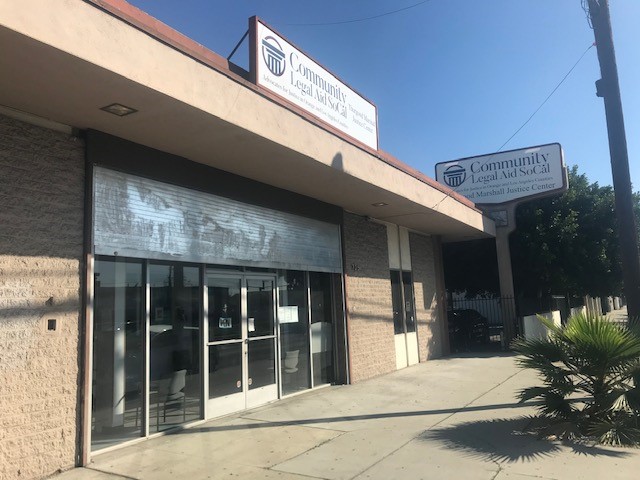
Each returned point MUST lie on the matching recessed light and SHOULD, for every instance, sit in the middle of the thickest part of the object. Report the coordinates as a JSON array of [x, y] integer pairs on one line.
[[379, 204], [119, 109]]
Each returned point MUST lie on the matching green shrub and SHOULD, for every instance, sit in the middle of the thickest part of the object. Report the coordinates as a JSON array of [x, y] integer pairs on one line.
[[591, 373]]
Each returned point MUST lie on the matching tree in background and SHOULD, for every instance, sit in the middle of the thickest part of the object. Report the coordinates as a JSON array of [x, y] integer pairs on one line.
[[562, 245], [568, 243]]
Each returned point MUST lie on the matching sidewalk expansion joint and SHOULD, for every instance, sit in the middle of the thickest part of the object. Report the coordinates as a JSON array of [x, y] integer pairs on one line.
[[273, 467], [303, 475], [497, 471], [458, 410], [438, 423], [118, 475], [540, 477]]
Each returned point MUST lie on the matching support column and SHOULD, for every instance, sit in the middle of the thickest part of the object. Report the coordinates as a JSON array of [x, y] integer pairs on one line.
[[505, 218]]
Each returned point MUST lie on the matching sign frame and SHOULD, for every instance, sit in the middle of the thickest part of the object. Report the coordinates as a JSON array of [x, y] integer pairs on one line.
[[254, 75], [524, 198]]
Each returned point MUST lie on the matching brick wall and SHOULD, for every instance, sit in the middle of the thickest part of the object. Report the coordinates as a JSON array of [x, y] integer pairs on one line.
[[41, 220], [368, 290], [431, 332]]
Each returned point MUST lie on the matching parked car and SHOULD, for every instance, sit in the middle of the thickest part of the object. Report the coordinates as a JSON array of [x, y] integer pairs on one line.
[[467, 327]]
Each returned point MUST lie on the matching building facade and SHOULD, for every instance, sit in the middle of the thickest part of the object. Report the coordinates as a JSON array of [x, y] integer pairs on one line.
[[216, 249]]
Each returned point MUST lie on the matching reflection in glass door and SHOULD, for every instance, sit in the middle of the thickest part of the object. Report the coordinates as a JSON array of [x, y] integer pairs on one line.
[[118, 352], [293, 321], [225, 345], [321, 327], [261, 341], [174, 340], [241, 344]]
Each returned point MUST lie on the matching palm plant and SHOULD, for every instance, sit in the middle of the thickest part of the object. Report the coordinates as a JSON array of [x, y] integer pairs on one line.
[[591, 373]]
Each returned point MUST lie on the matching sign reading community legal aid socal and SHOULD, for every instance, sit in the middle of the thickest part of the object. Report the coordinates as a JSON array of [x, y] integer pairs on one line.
[[507, 176], [280, 67]]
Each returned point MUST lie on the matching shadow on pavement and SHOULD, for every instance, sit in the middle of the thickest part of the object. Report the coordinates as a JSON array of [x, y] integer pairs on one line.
[[348, 418], [503, 440], [478, 353]]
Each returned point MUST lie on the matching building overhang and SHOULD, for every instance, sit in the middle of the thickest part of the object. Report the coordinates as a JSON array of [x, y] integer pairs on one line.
[[64, 62]]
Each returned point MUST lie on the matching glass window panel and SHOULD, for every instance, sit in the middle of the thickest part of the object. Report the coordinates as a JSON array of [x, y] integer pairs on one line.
[[225, 369], [224, 309], [260, 321], [321, 327], [174, 345], [396, 300], [294, 331], [118, 356], [340, 355], [261, 355], [409, 310]]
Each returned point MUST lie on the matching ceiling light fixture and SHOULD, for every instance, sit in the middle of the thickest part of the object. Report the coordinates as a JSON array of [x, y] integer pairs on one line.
[[379, 204], [119, 109]]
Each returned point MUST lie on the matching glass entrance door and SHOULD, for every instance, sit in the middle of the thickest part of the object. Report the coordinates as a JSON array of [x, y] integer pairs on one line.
[[260, 375], [241, 342]]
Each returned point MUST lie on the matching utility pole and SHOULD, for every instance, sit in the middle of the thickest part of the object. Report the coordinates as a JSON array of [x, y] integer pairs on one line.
[[608, 88]]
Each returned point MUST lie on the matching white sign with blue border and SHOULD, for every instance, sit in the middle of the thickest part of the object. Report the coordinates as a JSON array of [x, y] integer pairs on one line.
[[507, 176], [286, 71]]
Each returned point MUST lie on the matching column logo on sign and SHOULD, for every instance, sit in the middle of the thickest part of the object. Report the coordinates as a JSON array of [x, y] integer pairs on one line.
[[274, 57], [455, 175]]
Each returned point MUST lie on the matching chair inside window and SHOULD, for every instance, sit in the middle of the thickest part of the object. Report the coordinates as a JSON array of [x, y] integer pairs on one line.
[[168, 393]]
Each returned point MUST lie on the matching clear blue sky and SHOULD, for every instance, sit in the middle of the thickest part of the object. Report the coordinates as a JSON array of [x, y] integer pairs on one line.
[[451, 78]]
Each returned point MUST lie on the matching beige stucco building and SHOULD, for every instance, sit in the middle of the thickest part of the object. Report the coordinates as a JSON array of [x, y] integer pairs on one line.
[[216, 249]]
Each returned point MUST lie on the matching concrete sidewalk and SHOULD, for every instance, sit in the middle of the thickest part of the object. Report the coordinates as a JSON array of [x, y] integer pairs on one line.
[[453, 418]]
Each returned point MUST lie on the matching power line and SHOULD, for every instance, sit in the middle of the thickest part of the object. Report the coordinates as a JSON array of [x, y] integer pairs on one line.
[[548, 97], [532, 115], [355, 20], [426, 1]]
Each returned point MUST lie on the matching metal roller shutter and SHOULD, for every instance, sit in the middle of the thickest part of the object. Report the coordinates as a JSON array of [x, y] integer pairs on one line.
[[138, 217]]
